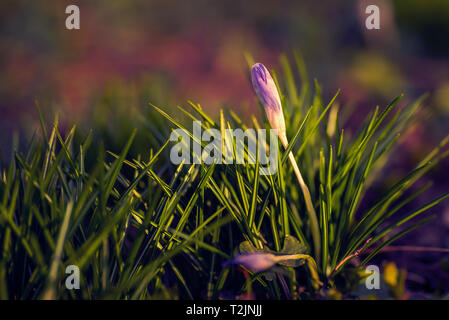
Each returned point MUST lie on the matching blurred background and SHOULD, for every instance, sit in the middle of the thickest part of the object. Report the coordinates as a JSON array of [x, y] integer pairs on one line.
[[130, 53]]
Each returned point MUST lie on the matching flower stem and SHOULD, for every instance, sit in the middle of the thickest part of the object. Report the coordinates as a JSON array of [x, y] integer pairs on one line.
[[309, 206], [307, 198]]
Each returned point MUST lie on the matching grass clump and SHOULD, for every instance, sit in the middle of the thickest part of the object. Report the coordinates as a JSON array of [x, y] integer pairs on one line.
[[142, 228]]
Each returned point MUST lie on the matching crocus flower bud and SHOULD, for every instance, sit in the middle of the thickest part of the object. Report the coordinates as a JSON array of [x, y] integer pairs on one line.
[[261, 261], [256, 262], [268, 94]]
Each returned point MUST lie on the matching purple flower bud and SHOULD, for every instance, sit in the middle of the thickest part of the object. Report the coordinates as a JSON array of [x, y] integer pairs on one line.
[[265, 87], [268, 94], [256, 262]]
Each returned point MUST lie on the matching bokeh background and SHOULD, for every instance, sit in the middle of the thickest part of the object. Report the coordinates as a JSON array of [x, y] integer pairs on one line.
[[129, 53]]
